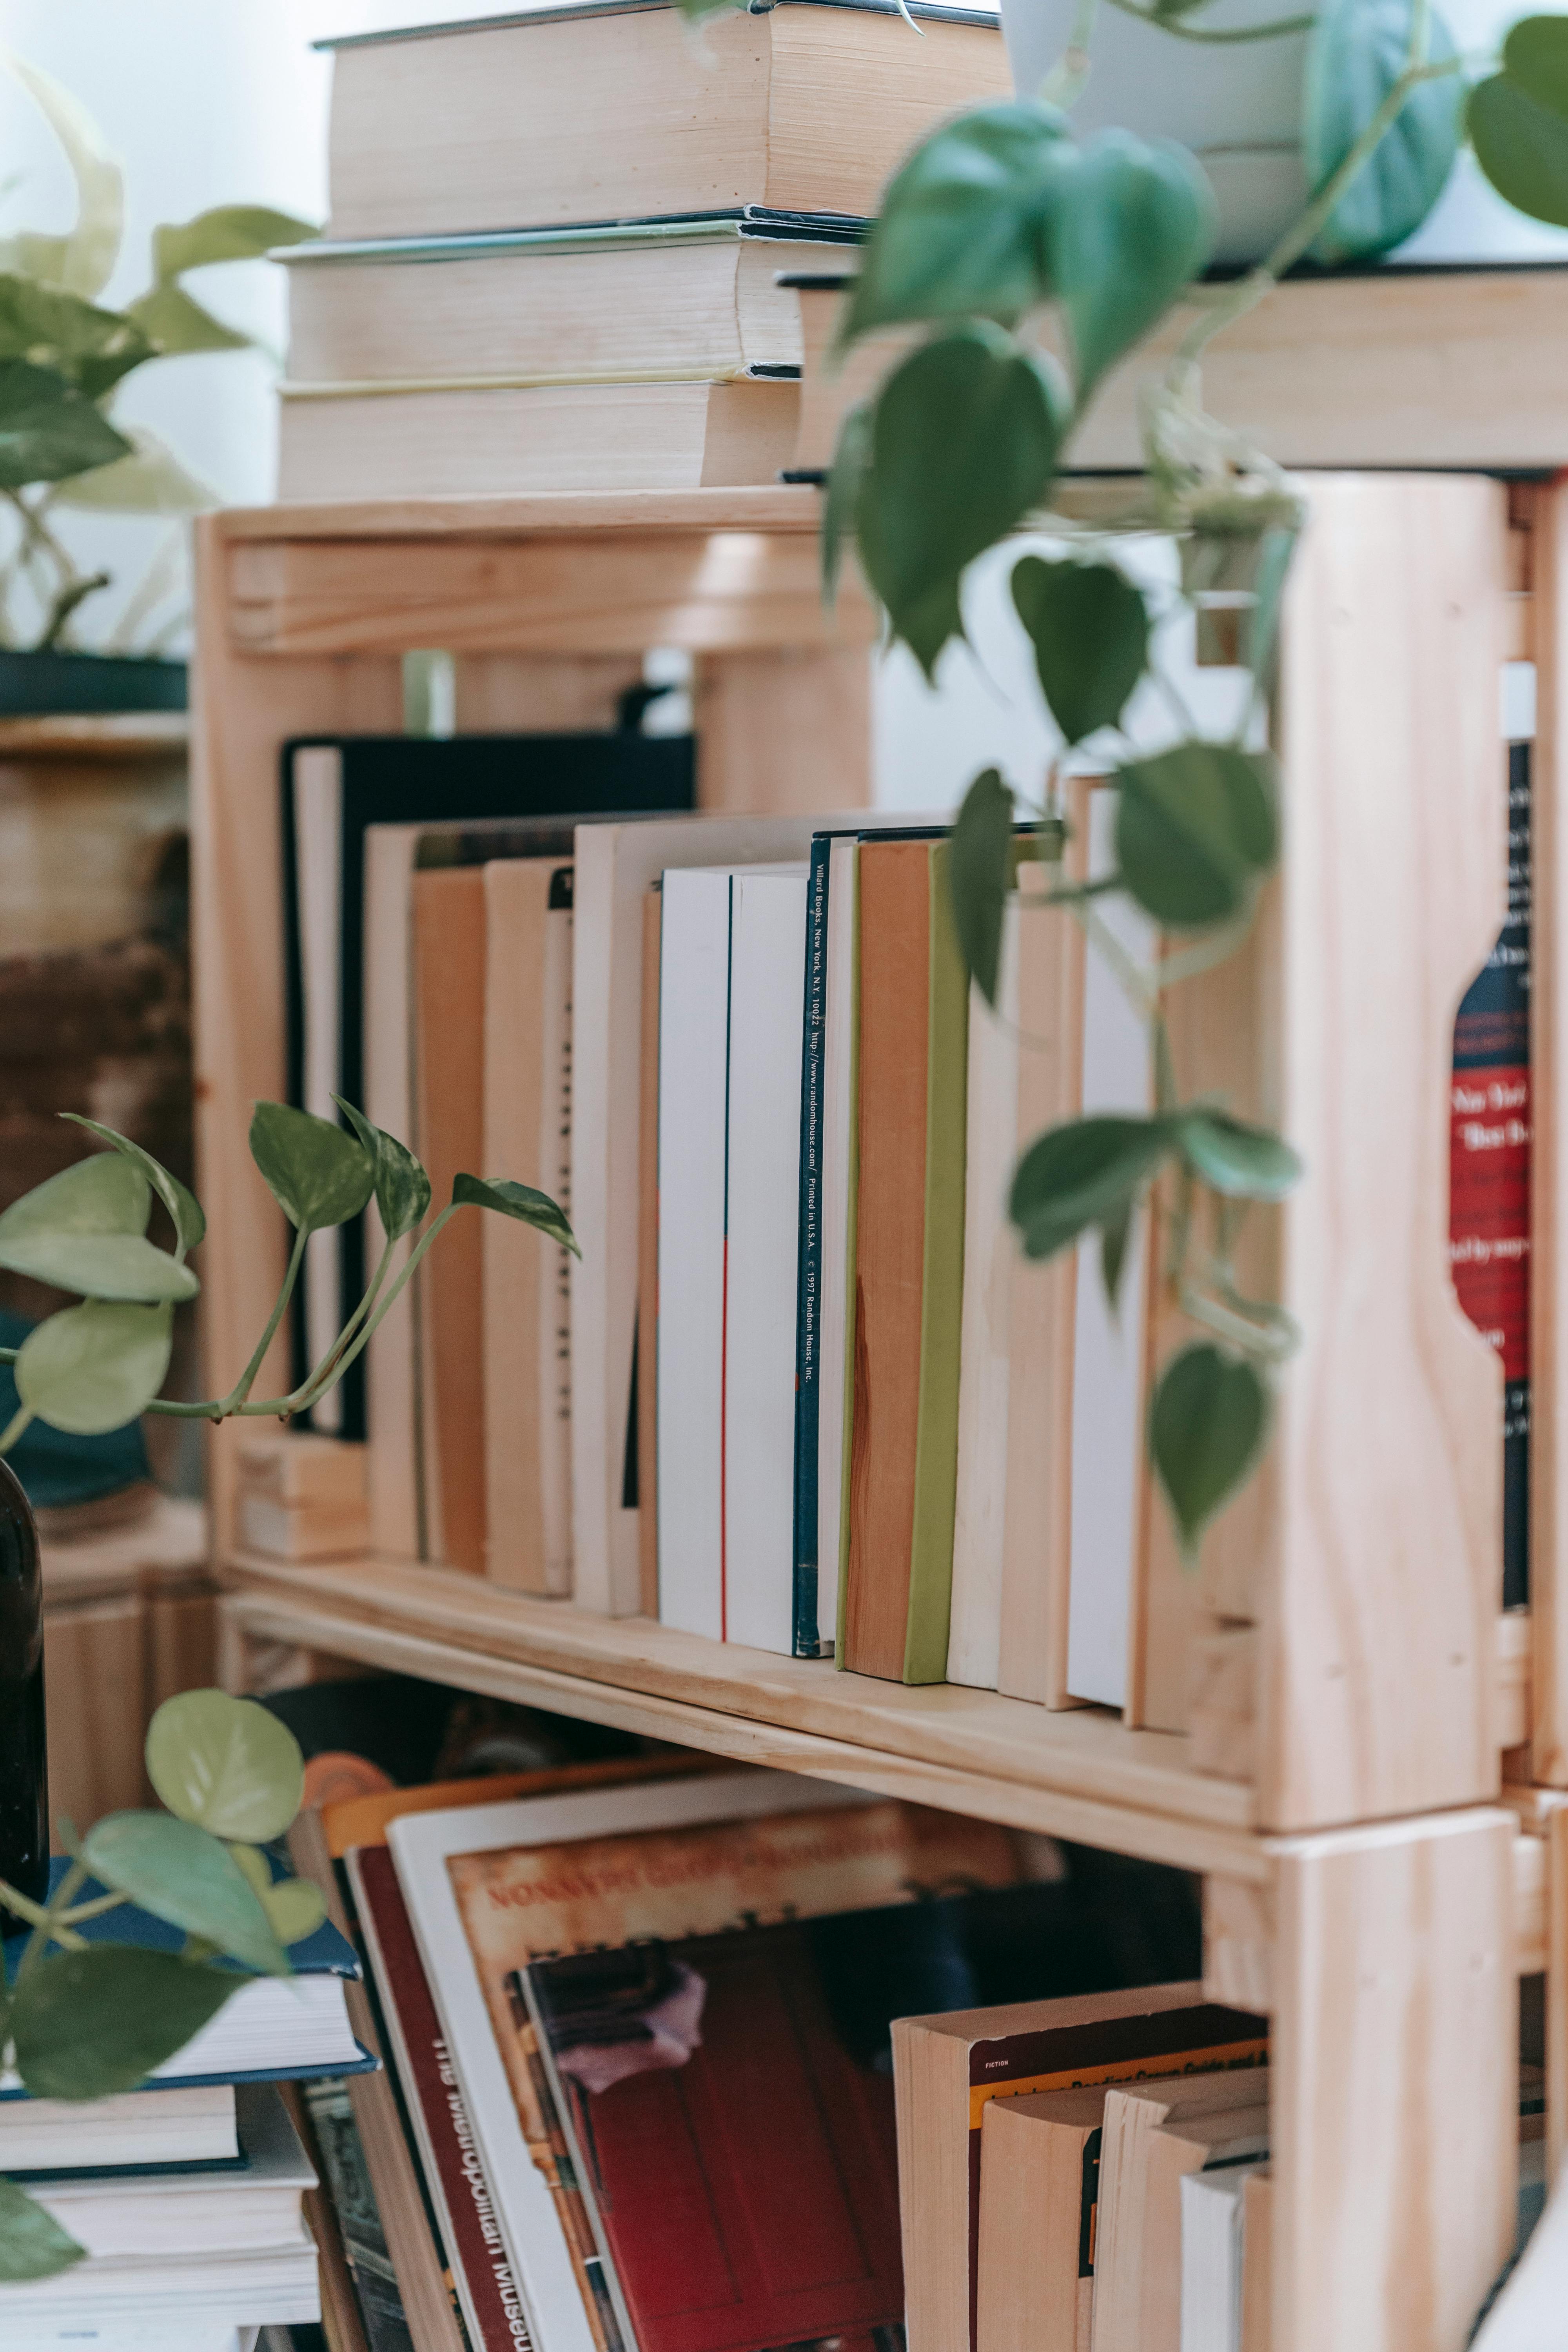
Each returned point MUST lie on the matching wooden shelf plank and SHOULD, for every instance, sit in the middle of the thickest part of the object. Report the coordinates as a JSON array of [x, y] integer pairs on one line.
[[1079, 1774], [771, 508]]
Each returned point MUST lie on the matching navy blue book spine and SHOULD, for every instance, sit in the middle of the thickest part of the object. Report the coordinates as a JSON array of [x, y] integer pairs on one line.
[[808, 1642]]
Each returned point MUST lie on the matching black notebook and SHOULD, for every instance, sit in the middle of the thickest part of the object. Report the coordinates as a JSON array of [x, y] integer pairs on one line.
[[333, 789]]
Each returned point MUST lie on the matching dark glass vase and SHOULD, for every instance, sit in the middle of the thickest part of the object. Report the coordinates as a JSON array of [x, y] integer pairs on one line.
[[24, 1764]]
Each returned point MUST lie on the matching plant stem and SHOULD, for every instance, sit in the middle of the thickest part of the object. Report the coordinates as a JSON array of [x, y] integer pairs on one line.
[[247, 1381], [1251, 289], [1180, 32], [48, 1926], [323, 1371], [93, 1910], [1064, 85], [13, 1430]]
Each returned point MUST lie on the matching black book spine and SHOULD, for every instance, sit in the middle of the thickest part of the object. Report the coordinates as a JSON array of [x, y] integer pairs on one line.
[[808, 1642]]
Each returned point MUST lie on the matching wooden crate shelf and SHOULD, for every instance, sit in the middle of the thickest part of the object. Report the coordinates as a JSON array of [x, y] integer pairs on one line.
[[1361, 1880], [1079, 1773]]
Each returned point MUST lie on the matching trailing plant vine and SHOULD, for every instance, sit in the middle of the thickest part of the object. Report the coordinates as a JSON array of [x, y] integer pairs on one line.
[[1005, 235]]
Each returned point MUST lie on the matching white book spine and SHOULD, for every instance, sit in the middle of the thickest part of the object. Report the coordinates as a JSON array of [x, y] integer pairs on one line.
[[392, 1378], [693, 1057], [1107, 1348], [767, 979], [317, 802]]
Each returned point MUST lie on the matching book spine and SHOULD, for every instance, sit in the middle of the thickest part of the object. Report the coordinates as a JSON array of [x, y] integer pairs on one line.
[[941, 1295], [1489, 1170], [809, 1641], [492, 2304]]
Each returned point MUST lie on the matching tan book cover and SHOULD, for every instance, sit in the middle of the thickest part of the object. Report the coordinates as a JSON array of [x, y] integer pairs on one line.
[[449, 1009], [894, 993], [1154, 2133], [948, 2069], [526, 1312]]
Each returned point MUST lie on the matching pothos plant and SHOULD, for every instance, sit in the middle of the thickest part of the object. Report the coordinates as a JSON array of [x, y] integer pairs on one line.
[[85, 2018], [80, 2019], [1028, 264], [63, 357], [96, 1365]]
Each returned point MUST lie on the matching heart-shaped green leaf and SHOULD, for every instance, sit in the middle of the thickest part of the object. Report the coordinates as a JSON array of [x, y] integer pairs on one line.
[[90, 2025], [964, 444], [177, 322], [841, 500], [402, 1187], [32, 2243], [1086, 1172], [1247, 1163], [1114, 1236], [316, 1174], [979, 871], [1518, 120], [294, 1906], [1206, 1432], [94, 1367], [1129, 224], [1089, 629], [226, 1764], [49, 430], [227, 233], [959, 233], [92, 348], [105, 1195], [1194, 828], [185, 1209], [1357, 52], [519, 1200], [180, 1873], [100, 1266]]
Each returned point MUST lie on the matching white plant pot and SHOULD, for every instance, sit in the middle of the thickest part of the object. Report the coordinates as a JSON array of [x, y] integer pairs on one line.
[[1238, 106]]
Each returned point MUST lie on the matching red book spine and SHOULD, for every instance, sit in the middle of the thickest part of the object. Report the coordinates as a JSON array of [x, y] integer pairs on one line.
[[453, 2175]]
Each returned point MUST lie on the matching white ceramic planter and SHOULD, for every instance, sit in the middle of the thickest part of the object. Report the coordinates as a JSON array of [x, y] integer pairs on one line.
[[1237, 107]]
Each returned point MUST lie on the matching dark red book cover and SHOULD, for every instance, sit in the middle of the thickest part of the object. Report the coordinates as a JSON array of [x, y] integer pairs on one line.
[[735, 2133], [468, 2226], [1489, 1171]]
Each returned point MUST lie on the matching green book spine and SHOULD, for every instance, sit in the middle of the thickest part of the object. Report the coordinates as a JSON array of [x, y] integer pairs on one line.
[[941, 1299], [850, 1294]]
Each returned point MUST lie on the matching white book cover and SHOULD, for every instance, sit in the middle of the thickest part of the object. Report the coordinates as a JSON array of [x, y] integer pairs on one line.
[[1108, 1351], [1213, 2234], [767, 991], [616, 865], [422, 1844], [990, 1248], [693, 1059]]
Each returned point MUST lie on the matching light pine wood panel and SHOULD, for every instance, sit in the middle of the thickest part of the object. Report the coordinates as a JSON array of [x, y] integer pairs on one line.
[[1549, 1158], [245, 710], [181, 1644], [504, 694], [1381, 1594], [96, 1691], [593, 594], [261, 1626], [1393, 2071], [1085, 1752], [782, 732]]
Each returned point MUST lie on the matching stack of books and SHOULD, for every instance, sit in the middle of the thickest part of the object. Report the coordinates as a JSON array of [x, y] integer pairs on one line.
[[555, 238], [191, 2196], [639, 2018]]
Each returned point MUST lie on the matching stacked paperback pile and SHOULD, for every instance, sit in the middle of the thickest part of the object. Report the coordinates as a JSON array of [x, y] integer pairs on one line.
[[638, 2022], [555, 238], [190, 2196]]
